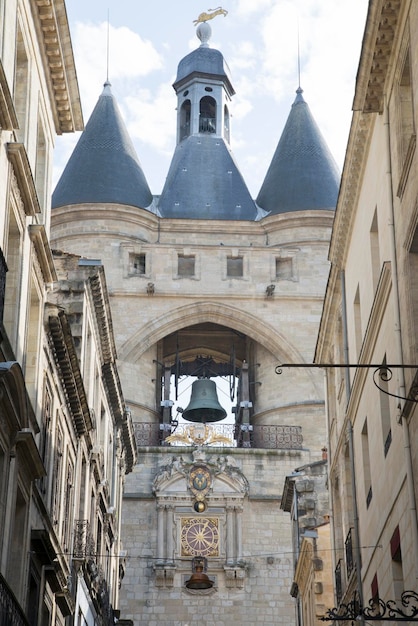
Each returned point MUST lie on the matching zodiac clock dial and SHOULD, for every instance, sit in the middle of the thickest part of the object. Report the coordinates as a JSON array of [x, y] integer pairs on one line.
[[199, 536]]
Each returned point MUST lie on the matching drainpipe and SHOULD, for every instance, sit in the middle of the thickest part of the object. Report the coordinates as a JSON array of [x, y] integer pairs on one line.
[[357, 554], [398, 340]]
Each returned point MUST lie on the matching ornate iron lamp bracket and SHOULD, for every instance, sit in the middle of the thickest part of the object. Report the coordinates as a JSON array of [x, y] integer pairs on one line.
[[406, 610], [382, 373]]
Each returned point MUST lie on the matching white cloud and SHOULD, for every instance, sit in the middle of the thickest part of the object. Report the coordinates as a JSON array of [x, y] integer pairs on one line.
[[151, 118], [130, 56]]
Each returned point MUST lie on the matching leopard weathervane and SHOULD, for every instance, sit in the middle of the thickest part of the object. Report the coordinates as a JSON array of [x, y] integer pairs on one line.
[[204, 17]]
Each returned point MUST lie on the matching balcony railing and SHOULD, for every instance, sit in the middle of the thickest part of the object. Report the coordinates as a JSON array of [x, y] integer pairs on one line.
[[349, 557], [11, 613], [277, 437], [83, 540], [207, 125]]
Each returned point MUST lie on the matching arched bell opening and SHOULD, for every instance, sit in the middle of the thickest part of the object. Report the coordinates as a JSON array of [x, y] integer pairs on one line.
[[207, 117], [206, 374]]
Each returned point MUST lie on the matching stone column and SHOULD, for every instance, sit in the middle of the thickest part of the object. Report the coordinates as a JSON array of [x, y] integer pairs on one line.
[[238, 514], [169, 536], [160, 533], [230, 513]]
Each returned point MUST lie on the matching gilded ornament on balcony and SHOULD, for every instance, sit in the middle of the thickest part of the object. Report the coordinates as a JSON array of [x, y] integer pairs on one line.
[[199, 435]]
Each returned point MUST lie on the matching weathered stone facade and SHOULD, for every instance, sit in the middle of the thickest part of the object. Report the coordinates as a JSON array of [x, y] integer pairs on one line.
[[370, 318], [207, 297]]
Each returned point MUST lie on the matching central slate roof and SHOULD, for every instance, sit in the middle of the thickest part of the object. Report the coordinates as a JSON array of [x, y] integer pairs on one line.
[[104, 167], [303, 174], [204, 183]]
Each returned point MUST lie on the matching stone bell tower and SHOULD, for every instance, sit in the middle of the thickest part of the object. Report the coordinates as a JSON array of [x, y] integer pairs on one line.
[[208, 284]]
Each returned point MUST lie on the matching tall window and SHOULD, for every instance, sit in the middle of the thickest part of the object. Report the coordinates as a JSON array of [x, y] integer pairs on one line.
[[397, 570], [32, 341], [357, 321], [45, 442], [406, 108], [374, 250], [413, 293], [365, 448], [57, 482], [40, 166], [207, 119], [68, 505], [14, 258], [16, 558], [385, 412], [21, 86]]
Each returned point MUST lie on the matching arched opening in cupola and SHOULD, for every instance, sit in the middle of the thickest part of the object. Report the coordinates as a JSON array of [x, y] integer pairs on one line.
[[207, 118], [185, 119], [226, 124]]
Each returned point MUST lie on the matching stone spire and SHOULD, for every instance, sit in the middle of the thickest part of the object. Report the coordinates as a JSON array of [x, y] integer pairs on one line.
[[104, 167], [303, 174]]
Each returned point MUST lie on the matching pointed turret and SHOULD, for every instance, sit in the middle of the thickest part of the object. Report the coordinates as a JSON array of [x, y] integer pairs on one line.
[[303, 174], [203, 181], [104, 167]]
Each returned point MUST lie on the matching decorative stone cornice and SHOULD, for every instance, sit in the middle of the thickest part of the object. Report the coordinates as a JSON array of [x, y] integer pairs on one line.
[[8, 117], [16, 153], [358, 142], [67, 362], [54, 36], [377, 47], [40, 242]]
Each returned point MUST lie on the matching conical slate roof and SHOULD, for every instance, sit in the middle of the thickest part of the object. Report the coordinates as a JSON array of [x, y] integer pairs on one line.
[[104, 167], [303, 174], [204, 182]]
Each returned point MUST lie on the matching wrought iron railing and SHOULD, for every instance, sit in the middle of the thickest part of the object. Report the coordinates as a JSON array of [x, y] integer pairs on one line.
[[275, 437], [83, 541], [349, 556], [11, 613], [3, 270], [207, 125]]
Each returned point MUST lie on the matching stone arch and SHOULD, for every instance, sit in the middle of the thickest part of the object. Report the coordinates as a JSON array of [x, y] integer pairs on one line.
[[200, 312]]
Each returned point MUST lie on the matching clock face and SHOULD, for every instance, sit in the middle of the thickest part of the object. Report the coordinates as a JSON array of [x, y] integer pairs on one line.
[[199, 536]]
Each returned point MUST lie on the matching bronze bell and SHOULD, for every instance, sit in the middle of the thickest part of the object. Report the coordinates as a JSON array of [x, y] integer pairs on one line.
[[199, 580], [204, 406]]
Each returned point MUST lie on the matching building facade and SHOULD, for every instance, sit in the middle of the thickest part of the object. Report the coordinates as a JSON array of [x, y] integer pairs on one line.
[[369, 319], [60, 396], [207, 283]]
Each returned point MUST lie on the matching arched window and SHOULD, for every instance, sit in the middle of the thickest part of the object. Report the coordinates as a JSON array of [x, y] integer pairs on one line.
[[185, 119], [226, 123], [207, 120]]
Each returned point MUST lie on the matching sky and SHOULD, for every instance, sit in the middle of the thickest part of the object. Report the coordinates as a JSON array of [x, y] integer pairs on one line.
[[259, 39]]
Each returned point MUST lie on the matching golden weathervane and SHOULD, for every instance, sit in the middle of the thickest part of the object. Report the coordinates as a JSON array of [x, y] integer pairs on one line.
[[204, 17]]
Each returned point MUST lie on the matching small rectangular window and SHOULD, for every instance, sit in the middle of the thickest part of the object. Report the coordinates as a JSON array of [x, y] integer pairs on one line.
[[284, 268], [235, 267], [138, 264], [186, 265]]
